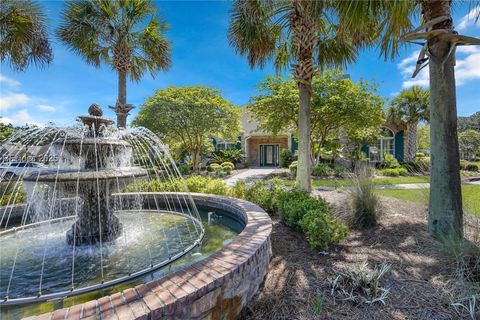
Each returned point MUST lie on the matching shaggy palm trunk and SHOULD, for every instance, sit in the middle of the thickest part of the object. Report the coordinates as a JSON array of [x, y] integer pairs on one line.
[[412, 140], [445, 217], [122, 99]]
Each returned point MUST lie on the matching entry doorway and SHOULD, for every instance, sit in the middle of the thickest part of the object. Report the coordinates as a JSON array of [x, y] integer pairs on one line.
[[269, 154]]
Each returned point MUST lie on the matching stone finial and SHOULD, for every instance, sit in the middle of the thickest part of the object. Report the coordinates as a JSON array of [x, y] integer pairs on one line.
[[95, 110]]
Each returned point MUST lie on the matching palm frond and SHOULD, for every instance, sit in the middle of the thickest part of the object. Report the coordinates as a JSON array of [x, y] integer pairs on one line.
[[23, 34], [255, 29]]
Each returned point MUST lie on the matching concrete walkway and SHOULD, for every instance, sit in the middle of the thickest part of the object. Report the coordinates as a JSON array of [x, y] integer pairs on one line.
[[255, 173]]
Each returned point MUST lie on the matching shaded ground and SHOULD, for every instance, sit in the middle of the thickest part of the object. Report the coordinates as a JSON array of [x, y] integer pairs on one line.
[[299, 275]]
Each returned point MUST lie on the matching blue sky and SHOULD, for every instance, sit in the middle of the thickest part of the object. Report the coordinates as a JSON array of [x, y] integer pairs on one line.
[[201, 55]]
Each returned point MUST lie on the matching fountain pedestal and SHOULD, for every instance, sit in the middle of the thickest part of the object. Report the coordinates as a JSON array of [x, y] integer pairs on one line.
[[103, 170]]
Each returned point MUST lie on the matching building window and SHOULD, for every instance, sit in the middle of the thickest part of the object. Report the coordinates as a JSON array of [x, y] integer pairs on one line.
[[222, 146], [385, 144]]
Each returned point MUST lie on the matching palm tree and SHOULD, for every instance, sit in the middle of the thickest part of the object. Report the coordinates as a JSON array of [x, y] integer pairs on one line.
[[439, 40], [127, 35], [23, 34], [297, 33], [410, 106]]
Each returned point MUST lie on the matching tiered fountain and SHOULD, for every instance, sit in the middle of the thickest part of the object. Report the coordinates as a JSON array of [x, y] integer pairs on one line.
[[101, 170]]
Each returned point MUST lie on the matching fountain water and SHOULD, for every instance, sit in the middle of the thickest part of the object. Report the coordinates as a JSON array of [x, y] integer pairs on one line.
[[77, 231]]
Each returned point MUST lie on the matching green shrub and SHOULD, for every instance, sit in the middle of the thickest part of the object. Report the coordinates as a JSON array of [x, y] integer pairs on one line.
[[471, 167], [338, 171], [393, 172], [389, 162], [411, 166], [294, 204], [184, 169], [13, 198], [463, 164], [215, 186], [321, 229], [420, 155], [212, 167], [293, 167], [286, 158], [424, 164], [365, 202], [238, 190], [228, 167], [234, 156], [322, 170]]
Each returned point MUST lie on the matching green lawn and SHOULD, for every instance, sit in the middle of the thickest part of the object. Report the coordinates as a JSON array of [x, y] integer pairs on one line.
[[470, 195], [379, 181]]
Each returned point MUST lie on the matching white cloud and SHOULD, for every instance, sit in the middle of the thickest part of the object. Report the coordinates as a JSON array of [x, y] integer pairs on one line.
[[467, 68], [468, 19], [13, 100], [9, 82], [22, 116], [6, 120], [46, 108]]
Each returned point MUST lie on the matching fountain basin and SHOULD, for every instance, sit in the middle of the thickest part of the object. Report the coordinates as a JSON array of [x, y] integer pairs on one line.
[[219, 285]]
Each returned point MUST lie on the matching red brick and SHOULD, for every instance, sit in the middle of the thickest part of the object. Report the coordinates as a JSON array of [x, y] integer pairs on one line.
[[124, 313], [104, 304], [109, 315], [74, 312], [59, 314], [117, 299], [130, 295], [139, 309], [89, 308]]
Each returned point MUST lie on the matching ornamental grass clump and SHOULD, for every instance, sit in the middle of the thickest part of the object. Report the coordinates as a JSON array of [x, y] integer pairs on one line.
[[361, 286], [364, 201]]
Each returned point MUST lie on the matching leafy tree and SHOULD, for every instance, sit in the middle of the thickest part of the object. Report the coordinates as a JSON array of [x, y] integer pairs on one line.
[[423, 137], [410, 106], [6, 130], [23, 34], [189, 115], [127, 35], [469, 143], [340, 107], [469, 123], [437, 37], [297, 33]]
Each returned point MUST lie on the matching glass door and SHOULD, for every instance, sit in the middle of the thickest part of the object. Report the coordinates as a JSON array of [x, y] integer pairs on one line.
[[269, 155]]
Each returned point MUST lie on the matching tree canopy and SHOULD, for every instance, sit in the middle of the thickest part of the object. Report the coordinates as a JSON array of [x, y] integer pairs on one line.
[[188, 116], [469, 123], [339, 107], [6, 130], [469, 144]]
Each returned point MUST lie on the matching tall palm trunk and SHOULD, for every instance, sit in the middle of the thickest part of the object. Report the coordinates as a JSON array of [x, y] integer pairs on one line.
[[304, 32], [445, 217], [122, 99], [412, 140]]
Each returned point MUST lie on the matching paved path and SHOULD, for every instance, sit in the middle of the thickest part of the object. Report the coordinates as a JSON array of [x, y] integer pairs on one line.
[[249, 174]]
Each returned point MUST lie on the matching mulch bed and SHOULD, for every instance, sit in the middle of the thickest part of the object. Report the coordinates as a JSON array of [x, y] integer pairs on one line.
[[419, 279]]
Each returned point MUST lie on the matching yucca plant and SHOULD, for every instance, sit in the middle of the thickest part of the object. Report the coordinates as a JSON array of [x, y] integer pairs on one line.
[[23, 34], [127, 35]]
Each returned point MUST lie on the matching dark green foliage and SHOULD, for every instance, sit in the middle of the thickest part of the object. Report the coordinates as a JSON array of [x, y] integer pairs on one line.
[[293, 205], [185, 169], [322, 170], [469, 123], [234, 156], [471, 167], [321, 229], [389, 162], [286, 158], [411, 166]]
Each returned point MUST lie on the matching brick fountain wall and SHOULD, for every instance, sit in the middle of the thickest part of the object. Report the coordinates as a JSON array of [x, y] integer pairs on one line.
[[217, 287]]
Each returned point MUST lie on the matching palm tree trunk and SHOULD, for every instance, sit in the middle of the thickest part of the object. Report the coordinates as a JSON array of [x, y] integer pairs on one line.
[[445, 217], [412, 140], [303, 169], [122, 99]]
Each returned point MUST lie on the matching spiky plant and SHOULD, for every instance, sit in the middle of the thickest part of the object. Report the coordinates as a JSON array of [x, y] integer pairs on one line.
[[410, 106], [296, 33], [23, 34], [127, 35]]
